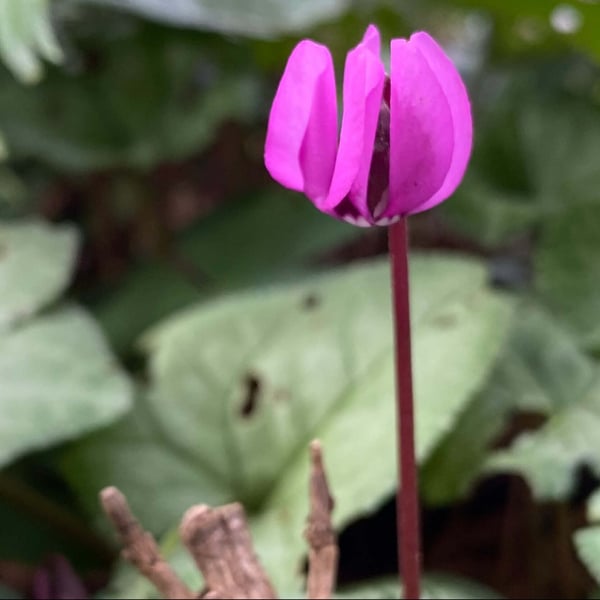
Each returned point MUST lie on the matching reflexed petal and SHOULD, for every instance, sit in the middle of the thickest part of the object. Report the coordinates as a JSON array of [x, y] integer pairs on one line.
[[421, 130], [301, 139], [454, 89], [363, 88]]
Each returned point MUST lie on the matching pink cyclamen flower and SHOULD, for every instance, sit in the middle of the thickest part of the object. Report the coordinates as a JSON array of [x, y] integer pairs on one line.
[[405, 139]]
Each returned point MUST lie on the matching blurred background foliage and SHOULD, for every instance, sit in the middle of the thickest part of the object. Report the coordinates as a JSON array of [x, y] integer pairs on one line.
[[174, 323]]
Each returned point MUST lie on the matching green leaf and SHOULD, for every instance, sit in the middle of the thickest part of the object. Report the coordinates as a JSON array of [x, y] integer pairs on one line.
[[126, 312], [587, 540], [272, 235], [435, 587], [134, 442], [240, 385], [448, 587], [386, 588], [36, 262], [155, 94], [58, 381], [488, 214], [587, 544], [497, 201], [560, 140], [3, 149], [25, 35], [14, 192], [534, 163], [257, 18], [548, 457], [593, 507], [541, 370], [565, 262]]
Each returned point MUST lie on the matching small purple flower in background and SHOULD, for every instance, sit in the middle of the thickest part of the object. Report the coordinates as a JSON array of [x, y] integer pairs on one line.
[[405, 138], [57, 580]]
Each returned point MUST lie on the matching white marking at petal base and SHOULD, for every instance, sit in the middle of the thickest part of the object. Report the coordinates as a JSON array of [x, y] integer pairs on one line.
[[358, 221], [381, 205], [387, 221]]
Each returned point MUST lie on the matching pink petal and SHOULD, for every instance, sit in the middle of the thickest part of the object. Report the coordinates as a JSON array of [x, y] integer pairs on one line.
[[301, 139], [421, 130], [363, 89], [460, 108], [372, 40]]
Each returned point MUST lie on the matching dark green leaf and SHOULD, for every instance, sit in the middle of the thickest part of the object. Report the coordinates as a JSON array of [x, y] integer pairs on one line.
[[255, 239], [258, 18], [566, 279], [153, 95]]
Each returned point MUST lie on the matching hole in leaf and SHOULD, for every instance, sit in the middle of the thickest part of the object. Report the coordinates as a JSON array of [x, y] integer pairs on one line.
[[252, 390]]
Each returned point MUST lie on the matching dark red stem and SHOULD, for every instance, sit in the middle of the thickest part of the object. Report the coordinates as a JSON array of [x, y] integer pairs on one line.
[[407, 499]]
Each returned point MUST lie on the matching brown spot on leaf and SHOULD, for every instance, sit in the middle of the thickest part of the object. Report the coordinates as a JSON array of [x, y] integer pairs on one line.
[[252, 390], [311, 301], [445, 320], [282, 395]]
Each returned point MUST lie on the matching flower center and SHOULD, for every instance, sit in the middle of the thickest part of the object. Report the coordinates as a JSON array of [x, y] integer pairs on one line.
[[379, 174]]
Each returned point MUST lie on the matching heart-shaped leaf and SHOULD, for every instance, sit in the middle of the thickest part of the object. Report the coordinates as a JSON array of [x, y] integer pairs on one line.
[[240, 385], [58, 380]]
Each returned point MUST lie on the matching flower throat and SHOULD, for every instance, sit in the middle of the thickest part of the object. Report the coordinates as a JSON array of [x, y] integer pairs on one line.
[[379, 172]]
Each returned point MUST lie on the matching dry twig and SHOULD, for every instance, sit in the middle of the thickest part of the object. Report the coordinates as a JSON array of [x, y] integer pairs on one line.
[[220, 542], [320, 535], [140, 548]]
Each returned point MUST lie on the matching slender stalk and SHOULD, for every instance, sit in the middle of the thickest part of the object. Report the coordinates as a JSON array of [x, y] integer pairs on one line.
[[407, 499]]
